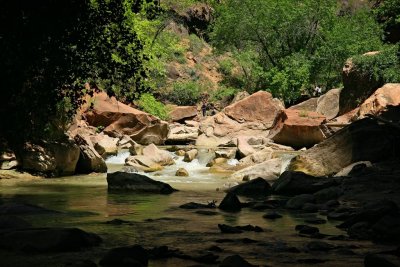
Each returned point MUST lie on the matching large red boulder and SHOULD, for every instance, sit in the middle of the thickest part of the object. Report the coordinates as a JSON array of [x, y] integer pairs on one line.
[[297, 128], [119, 119], [181, 113]]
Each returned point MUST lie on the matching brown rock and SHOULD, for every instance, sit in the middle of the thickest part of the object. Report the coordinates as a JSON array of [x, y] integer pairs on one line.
[[190, 155], [297, 128], [308, 105], [258, 107], [157, 155], [182, 172], [182, 113], [143, 163], [244, 149], [89, 160], [328, 104], [388, 95], [117, 117]]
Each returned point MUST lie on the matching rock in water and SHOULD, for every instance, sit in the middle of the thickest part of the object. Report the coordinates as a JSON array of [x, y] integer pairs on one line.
[[235, 261], [132, 256], [44, 240], [254, 188], [230, 203], [182, 172], [137, 183]]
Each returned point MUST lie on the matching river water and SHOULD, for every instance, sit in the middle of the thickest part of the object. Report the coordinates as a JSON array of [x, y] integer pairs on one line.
[[157, 220]]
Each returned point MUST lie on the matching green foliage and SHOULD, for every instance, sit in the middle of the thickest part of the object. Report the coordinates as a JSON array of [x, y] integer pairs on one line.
[[186, 93], [149, 104], [226, 66], [384, 66], [225, 94], [388, 14], [196, 44], [289, 46]]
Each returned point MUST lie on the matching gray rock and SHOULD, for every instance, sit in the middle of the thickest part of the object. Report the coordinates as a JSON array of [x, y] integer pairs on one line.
[[298, 202], [137, 183], [254, 188], [235, 261], [230, 203], [132, 256]]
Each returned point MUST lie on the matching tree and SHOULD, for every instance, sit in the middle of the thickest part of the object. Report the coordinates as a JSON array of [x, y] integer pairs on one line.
[[50, 49]]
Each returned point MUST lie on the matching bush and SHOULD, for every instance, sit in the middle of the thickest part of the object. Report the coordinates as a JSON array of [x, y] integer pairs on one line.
[[185, 93], [384, 66], [225, 94], [226, 66], [196, 44], [149, 104]]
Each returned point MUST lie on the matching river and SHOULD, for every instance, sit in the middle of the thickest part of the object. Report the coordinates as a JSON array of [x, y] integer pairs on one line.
[[157, 220]]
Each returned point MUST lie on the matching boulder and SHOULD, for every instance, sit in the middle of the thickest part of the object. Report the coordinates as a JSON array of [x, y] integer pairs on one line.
[[106, 145], [8, 165], [257, 157], [182, 172], [157, 155], [297, 202], [308, 105], [7, 222], [327, 194], [23, 209], [363, 140], [388, 95], [254, 188], [51, 158], [346, 170], [190, 155], [122, 181], [180, 153], [328, 104], [235, 261], [230, 203], [89, 160], [297, 128], [295, 183], [125, 142], [142, 163], [182, 113], [45, 240], [380, 260], [252, 116], [132, 256], [268, 170], [244, 149], [357, 86], [122, 119], [227, 153]]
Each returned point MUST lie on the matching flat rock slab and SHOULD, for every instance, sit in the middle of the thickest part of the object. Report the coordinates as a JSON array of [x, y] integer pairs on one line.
[[123, 181]]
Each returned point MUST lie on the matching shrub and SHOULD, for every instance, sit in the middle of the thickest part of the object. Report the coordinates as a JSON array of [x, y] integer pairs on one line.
[[384, 66], [149, 104], [225, 94], [185, 93]]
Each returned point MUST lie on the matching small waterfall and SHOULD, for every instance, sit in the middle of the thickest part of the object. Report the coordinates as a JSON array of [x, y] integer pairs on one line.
[[119, 158]]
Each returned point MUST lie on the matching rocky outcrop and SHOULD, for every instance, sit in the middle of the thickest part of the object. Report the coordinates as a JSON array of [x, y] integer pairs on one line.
[[297, 128], [388, 95], [252, 116], [363, 140], [182, 113], [357, 86], [328, 104], [122, 181], [89, 160], [50, 158], [120, 119]]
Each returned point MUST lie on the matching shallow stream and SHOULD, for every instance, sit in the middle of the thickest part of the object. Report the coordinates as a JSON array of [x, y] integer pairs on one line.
[[157, 219]]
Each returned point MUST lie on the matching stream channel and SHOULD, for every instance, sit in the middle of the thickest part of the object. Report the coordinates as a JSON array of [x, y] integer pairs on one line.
[[155, 220]]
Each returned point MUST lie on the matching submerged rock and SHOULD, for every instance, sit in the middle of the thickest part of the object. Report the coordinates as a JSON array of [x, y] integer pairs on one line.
[[182, 172], [122, 181], [235, 261], [43, 240]]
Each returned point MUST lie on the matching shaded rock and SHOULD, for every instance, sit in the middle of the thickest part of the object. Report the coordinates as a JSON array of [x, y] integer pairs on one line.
[[194, 205], [229, 229], [89, 159], [7, 222], [8, 165], [297, 128], [315, 221], [357, 86], [235, 261], [39, 240], [307, 230], [387, 228], [180, 153], [125, 142], [319, 246], [272, 215], [121, 181], [50, 158], [310, 207], [206, 212], [298, 202], [81, 263], [182, 172], [294, 183], [240, 96], [328, 103], [379, 260], [190, 155], [217, 161], [182, 113], [327, 194], [230, 203], [117, 117], [348, 169], [349, 145], [308, 105], [125, 257], [254, 188], [17, 208]]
